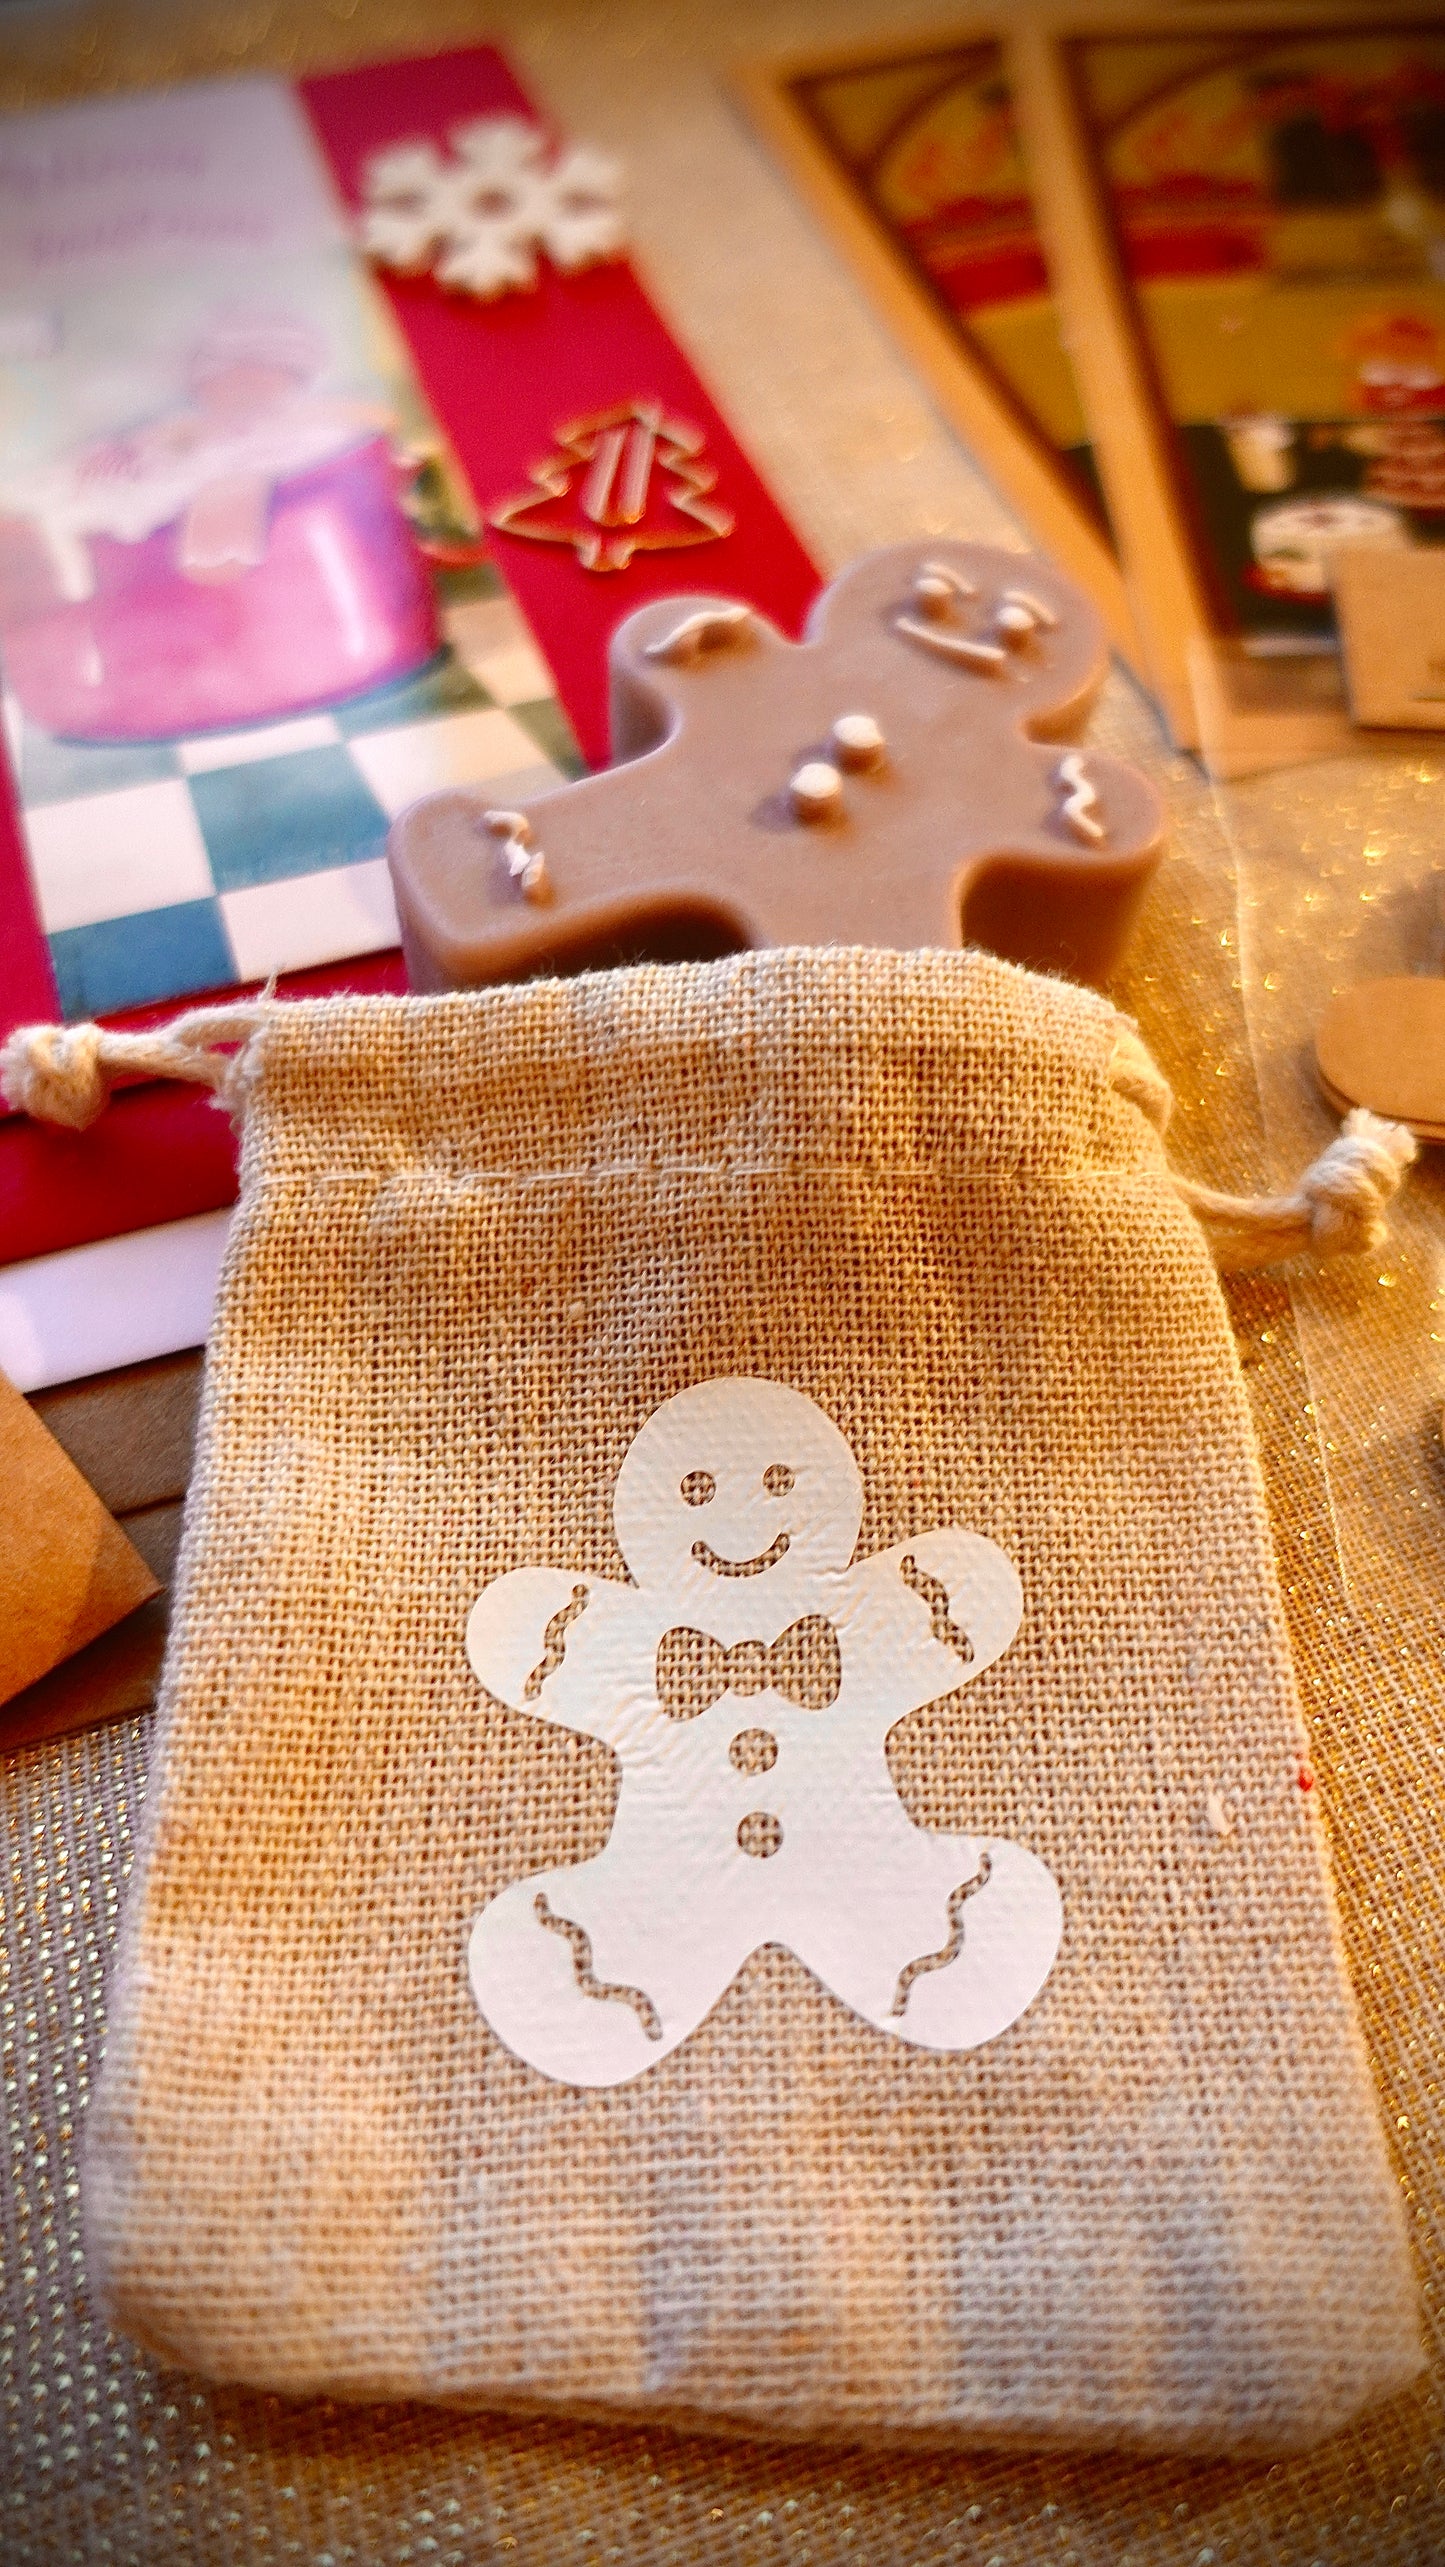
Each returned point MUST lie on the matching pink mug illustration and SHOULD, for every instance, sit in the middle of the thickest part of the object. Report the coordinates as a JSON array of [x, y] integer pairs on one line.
[[241, 557]]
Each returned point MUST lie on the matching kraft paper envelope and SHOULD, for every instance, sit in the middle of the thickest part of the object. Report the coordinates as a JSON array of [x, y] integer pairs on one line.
[[67, 1571]]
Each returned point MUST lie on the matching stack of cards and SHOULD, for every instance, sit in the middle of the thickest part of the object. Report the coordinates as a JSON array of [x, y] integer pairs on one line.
[[1180, 281], [274, 564]]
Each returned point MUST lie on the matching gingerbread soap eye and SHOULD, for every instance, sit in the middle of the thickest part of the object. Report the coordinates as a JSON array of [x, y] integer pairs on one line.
[[777, 1479], [699, 1487]]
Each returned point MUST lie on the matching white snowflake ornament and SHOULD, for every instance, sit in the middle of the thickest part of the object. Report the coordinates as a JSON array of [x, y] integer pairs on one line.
[[479, 219]]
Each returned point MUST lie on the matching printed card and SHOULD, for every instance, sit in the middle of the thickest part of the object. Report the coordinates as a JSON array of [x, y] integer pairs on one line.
[[1271, 203], [1183, 290], [243, 615]]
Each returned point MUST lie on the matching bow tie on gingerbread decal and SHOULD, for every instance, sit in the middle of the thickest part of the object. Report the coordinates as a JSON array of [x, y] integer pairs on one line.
[[803, 1664]]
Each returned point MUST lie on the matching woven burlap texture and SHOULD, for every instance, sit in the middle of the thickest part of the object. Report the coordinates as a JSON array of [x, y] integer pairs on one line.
[[481, 1239]]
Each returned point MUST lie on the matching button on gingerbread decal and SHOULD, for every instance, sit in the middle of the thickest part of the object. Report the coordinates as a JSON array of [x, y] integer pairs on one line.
[[747, 1681]]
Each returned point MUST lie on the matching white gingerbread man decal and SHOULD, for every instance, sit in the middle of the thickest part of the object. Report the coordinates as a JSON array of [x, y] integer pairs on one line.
[[746, 1683]]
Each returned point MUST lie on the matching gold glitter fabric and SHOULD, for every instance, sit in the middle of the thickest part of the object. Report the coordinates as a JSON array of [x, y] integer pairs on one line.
[[108, 2456]]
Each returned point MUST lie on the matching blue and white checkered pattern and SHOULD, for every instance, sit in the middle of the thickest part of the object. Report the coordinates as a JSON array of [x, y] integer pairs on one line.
[[169, 868]]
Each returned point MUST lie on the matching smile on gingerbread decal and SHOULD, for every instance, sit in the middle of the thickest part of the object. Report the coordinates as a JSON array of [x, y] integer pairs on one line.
[[782, 1827], [722, 1568]]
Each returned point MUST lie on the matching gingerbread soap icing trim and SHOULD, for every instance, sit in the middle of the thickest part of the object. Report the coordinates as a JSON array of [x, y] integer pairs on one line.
[[1081, 804], [707, 630], [526, 864]]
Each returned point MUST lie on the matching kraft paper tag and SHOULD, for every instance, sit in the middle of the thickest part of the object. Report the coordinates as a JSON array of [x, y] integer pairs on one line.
[[1391, 608], [1382, 1044], [67, 1571]]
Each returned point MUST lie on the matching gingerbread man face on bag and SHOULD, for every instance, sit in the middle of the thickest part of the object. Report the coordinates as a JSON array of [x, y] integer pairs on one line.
[[746, 1682]]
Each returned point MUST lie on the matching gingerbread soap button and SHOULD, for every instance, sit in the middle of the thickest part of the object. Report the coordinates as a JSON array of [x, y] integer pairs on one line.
[[1382, 1044]]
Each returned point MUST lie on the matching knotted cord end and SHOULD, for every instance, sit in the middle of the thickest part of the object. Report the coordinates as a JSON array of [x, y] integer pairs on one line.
[[1337, 1208], [65, 1073], [56, 1073], [1351, 1182]]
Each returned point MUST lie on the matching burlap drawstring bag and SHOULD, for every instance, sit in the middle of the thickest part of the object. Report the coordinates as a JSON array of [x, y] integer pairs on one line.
[[732, 1839]]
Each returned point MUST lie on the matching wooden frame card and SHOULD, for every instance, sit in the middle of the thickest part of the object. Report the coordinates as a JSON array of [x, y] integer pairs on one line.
[[911, 152], [1177, 276], [1245, 213]]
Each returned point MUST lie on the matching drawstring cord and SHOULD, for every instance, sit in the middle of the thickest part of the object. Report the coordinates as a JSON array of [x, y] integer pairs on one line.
[[64, 1074], [1336, 1209]]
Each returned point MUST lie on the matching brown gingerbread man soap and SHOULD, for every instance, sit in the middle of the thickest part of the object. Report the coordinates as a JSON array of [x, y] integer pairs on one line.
[[895, 778]]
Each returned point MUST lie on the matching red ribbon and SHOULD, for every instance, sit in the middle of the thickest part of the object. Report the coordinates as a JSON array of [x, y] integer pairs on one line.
[[503, 379]]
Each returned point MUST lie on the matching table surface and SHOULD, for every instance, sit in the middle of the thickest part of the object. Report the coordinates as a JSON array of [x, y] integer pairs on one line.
[[1273, 890]]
